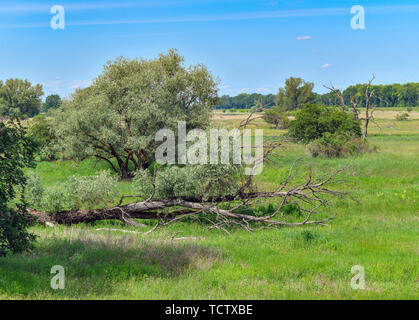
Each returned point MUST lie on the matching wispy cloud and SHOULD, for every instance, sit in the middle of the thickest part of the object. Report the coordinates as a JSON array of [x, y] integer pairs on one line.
[[39, 8], [261, 90], [304, 38], [206, 18], [325, 66], [63, 87]]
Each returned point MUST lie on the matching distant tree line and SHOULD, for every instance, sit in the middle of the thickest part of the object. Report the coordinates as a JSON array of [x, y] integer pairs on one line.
[[297, 92], [393, 95], [246, 101]]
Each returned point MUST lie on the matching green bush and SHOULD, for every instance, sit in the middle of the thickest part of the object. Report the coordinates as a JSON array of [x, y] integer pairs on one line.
[[14, 237], [16, 152], [77, 193], [338, 145], [192, 181], [313, 121], [277, 117], [402, 117]]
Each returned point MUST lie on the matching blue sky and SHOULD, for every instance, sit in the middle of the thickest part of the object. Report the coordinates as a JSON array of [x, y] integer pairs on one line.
[[251, 46]]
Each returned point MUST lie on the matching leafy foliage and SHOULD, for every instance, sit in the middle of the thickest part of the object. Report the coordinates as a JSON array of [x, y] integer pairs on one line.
[[295, 94], [16, 152], [313, 121], [192, 181], [51, 102], [41, 131], [77, 193], [116, 119], [18, 98]]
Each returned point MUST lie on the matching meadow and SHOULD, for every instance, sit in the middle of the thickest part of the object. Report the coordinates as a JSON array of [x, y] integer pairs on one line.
[[377, 228]]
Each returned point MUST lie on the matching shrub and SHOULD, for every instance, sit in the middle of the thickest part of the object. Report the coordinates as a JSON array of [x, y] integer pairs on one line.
[[233, 110], [14, 237], [277, 117], [192, 181], [338, 145], [34, 190], [77, 193], [313, 121], [16, 152], [402, 117]]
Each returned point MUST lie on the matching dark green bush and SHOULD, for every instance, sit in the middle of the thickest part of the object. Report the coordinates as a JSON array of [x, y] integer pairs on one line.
[[313, 121], [14, 237], [16, 152]]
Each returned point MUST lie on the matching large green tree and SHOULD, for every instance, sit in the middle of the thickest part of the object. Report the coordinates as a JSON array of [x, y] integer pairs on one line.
[[295, 94], [19, 98], [116, 118]]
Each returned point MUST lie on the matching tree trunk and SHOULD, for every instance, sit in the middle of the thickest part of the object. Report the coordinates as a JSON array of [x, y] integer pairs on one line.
[[366, 128]]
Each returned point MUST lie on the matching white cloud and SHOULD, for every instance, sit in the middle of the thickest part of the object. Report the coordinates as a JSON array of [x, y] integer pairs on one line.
[[64, 87], [80, 84], [261, 90], [325, 66], [304, 38]]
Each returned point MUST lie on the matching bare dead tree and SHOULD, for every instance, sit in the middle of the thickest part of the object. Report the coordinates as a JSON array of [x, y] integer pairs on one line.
[[355, 103], [338, 94], [369, 111], [370, 94]]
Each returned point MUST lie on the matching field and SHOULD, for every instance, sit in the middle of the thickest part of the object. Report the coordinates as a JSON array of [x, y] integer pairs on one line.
[[377, 229]]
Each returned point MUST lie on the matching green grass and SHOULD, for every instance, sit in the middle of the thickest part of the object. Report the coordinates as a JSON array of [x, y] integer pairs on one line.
[[380, 231]]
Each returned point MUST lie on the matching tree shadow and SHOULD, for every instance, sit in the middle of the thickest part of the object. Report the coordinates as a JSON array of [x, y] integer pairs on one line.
[[95, 264]]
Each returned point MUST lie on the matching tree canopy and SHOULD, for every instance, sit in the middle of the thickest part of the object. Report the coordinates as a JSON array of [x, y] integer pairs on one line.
[[295, 94], [116, 118], [19, 98], [53, 101]]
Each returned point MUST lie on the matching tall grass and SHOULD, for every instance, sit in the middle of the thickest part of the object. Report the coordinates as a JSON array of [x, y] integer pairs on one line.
[[378, 228]]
